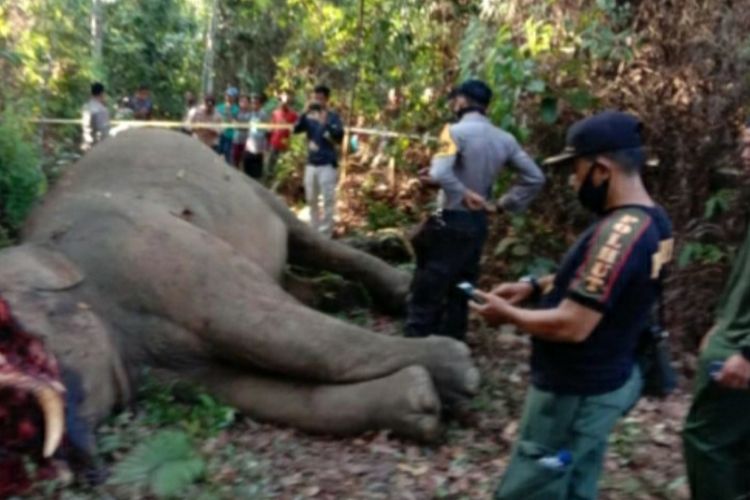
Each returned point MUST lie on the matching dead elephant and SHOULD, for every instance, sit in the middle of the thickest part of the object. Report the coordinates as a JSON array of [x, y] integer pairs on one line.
[[150, 252]]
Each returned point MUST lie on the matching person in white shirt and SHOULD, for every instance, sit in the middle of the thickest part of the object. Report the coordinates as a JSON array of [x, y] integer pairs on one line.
[[95, 118]]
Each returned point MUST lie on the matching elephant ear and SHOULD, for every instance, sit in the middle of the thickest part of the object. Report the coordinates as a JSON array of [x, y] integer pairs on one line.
[[33, 267]]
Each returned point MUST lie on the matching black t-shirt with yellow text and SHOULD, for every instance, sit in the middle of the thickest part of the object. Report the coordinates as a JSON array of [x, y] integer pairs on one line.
[[613, 268]]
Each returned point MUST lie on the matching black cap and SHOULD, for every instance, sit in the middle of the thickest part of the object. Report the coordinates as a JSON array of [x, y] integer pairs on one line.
[[476, 90], [605, 132]]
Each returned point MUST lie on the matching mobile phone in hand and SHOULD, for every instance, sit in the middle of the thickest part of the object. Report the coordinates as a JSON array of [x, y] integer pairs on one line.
[[469, 290], [715, 368]]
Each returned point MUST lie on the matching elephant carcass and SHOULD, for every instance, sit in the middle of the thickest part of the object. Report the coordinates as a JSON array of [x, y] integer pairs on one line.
[[151, 252]]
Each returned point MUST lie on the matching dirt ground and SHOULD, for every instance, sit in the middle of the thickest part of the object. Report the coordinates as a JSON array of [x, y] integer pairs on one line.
[[644, 459], [249, 460]]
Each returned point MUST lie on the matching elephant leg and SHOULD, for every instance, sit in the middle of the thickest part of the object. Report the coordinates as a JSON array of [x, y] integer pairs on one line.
[[404, 402], [239, 314], [302, 342], [388, 285]]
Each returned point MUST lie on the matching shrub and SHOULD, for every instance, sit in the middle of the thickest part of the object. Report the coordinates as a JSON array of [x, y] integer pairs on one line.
[[21, 178]]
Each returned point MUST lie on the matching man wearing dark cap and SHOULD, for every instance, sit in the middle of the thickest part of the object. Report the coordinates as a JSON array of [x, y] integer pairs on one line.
[[590, 316], [472, 154], [717, 429]]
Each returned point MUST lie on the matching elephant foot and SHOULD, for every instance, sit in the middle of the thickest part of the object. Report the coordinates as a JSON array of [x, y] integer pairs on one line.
[[404, 402], [409, 404], [452, 369]]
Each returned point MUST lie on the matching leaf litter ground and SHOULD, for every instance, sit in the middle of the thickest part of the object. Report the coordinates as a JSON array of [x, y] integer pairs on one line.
[[252, 460]]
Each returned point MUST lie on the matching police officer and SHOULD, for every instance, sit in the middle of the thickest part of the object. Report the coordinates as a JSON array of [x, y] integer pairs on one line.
[[472, 154], [585, 333]]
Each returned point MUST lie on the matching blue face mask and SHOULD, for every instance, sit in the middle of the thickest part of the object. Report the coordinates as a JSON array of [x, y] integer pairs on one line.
[[593, 198]]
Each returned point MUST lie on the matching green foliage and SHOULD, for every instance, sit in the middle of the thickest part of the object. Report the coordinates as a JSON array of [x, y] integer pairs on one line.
[[382, 215], [185, 407], [606, 36], [719, 203], [532, 54], [707, 252], [157, 43], [49, 39], [21, 178], [703, 253], [251, 36], [521, 249], [165, 464], [289, 162]]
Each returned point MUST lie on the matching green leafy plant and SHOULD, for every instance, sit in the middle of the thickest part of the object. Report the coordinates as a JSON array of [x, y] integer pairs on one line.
[[521, 250], [719, 203], [186, 407], [21, 178], [703, 253], [381, 215], [165, 465]]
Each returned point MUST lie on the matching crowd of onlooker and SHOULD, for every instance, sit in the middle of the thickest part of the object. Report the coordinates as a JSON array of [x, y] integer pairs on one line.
[[250, 146], [244, 134]]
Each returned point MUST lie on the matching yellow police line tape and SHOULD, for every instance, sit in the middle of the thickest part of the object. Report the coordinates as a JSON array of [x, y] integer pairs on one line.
[[223, 125]]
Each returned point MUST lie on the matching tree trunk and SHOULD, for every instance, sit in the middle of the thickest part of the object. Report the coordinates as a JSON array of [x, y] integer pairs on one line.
[[207, 78], [97, 34]]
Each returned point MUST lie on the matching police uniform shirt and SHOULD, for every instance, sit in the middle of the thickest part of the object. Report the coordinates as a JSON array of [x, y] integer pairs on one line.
[[473, 152], [613, 268]]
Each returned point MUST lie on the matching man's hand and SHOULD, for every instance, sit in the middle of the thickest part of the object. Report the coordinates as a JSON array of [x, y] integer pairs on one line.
[[494, 309], [425, 179], [735, 373], [474, 201], [514, 293]]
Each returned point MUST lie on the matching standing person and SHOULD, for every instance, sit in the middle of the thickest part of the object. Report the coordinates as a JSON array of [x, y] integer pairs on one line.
[[95, 117], [141, 103], [717, 430], [190, 108], [228, 111], [241, 132], [586, 331], [190, 101], [279, 142], [324, 131], [472, 155], [256, 144], [207, 114]]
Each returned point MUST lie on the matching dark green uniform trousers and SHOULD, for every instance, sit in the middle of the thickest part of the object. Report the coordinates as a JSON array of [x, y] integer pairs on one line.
[[717, 432], [552, 423]]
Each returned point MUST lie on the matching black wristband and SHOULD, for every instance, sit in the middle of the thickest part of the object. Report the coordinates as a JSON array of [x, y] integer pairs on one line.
[[745, 351], [536, 293]]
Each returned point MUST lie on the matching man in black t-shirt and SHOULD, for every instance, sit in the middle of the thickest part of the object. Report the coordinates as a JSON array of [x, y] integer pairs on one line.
[[591, 316]]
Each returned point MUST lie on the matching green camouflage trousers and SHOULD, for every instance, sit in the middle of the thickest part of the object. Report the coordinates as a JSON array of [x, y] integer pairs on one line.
[[578, 424], [717, 433]]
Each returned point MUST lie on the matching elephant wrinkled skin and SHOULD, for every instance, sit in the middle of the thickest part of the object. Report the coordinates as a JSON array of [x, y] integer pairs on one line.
[[151, 252]]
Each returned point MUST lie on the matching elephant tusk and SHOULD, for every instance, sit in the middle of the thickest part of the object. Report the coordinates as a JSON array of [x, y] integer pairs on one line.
[[54, 418], [50, 401]]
